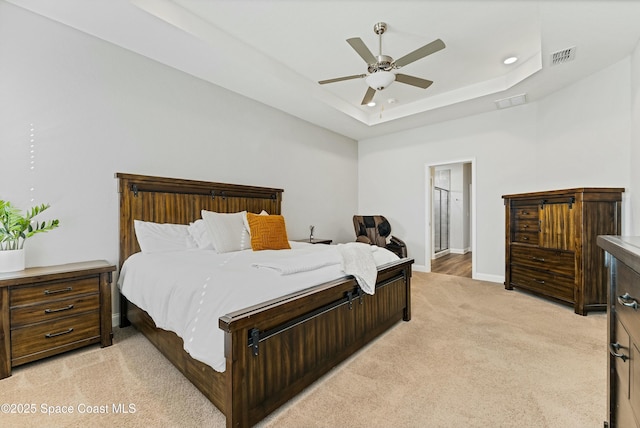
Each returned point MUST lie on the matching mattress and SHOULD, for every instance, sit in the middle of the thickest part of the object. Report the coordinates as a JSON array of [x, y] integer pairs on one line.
[[186, 292]]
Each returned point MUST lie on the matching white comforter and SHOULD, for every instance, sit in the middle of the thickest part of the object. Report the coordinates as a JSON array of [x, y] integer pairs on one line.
[[186, 292]]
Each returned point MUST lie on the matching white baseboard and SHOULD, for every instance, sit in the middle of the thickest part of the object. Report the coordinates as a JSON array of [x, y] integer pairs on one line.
[[459, 251], [490, 278], [479, 276], [115, 320], [419, 268]]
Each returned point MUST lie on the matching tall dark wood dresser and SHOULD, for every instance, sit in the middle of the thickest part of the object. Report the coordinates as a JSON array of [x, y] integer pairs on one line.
[[623, 330], [551, 247]]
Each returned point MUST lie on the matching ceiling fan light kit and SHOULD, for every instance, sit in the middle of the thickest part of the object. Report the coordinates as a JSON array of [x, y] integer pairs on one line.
[[380, 79], [379, 67]]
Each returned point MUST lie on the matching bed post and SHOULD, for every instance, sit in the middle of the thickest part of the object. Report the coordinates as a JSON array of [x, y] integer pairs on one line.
[[236, 411], [407, 280], [124, 307]]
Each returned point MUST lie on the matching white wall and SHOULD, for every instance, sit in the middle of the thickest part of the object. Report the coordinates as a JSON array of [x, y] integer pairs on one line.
[[579, 136], [97, 109]]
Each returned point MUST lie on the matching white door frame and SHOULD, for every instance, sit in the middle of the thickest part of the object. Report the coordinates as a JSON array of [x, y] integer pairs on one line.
[[429, 220]]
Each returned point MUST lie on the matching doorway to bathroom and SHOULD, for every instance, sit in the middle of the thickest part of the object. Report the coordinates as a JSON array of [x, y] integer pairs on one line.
[[450, 218]]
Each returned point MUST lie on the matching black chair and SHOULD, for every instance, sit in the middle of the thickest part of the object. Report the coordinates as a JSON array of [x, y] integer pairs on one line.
[[376, 230]]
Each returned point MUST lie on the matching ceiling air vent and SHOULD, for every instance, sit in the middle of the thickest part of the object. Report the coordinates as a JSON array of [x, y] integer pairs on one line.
[[564, 55], [513, 101]]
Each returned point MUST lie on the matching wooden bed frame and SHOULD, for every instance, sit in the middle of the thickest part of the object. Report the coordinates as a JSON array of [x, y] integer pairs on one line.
[[275, 349]]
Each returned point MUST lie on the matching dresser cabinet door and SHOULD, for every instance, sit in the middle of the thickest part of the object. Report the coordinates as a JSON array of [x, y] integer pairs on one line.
[[556, 226]]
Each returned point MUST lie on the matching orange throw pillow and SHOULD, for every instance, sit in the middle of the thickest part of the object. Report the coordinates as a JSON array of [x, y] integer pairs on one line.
[[268, 232]]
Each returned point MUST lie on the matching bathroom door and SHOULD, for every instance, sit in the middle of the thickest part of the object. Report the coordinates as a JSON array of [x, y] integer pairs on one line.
[[440, 219]]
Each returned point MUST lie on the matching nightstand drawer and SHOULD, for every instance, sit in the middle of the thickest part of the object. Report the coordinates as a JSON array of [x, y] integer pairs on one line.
[[53, 290], [54, 309], [42, 337]]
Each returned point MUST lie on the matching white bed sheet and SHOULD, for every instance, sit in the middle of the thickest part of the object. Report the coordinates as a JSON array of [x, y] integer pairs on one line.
[[187, 292]]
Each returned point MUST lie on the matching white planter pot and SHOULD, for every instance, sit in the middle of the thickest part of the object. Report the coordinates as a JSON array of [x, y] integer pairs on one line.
[[11, 261]]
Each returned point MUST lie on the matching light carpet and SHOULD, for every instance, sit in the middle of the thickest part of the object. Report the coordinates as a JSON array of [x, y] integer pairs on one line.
[[473, 355]]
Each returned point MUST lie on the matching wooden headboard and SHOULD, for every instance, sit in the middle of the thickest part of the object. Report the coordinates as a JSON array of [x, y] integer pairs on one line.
[[174, 200]]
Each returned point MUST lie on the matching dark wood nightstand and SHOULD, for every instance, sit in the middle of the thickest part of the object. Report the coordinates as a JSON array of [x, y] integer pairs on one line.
[[315, 241], [52, 309]]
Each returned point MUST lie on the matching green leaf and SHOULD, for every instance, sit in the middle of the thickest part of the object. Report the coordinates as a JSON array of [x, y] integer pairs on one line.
[[15, 227]]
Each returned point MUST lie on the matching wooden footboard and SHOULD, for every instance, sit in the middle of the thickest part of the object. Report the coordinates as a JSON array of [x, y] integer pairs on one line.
[[276, 349]]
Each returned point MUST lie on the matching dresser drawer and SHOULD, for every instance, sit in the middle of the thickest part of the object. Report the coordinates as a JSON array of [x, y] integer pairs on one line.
[[621, 346], [39, 338], [627, 300], [526, 211], [547, 283], [526, 225], [53, 290], [559, 262], [521, 237], [623, 373], [54, 309]]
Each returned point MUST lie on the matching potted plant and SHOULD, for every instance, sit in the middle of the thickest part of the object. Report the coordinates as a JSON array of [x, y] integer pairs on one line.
[[15, 228]]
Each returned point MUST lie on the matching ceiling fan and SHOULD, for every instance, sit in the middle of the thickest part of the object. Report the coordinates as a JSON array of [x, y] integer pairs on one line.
[[379, 67]]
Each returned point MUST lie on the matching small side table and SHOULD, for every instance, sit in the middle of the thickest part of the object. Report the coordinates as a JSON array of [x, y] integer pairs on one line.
[[52, 309], [315, 241]]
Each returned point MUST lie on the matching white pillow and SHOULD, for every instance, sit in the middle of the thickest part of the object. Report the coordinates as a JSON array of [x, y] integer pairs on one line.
[[227, 231], [246, 222], [200, 233], [157, 237]]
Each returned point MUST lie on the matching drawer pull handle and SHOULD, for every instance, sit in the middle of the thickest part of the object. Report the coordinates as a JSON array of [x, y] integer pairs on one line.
[[539, 281], [51, 311], [526, 226], [613, 350], [628, 301], [525, 213], [61, 290], [50, 335], [537, 259], [525, 238]]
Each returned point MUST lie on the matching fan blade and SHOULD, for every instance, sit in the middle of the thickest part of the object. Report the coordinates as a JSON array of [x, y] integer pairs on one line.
[[339, 79], [432, 47], [358, 45], [368, 96], [413, 81]]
